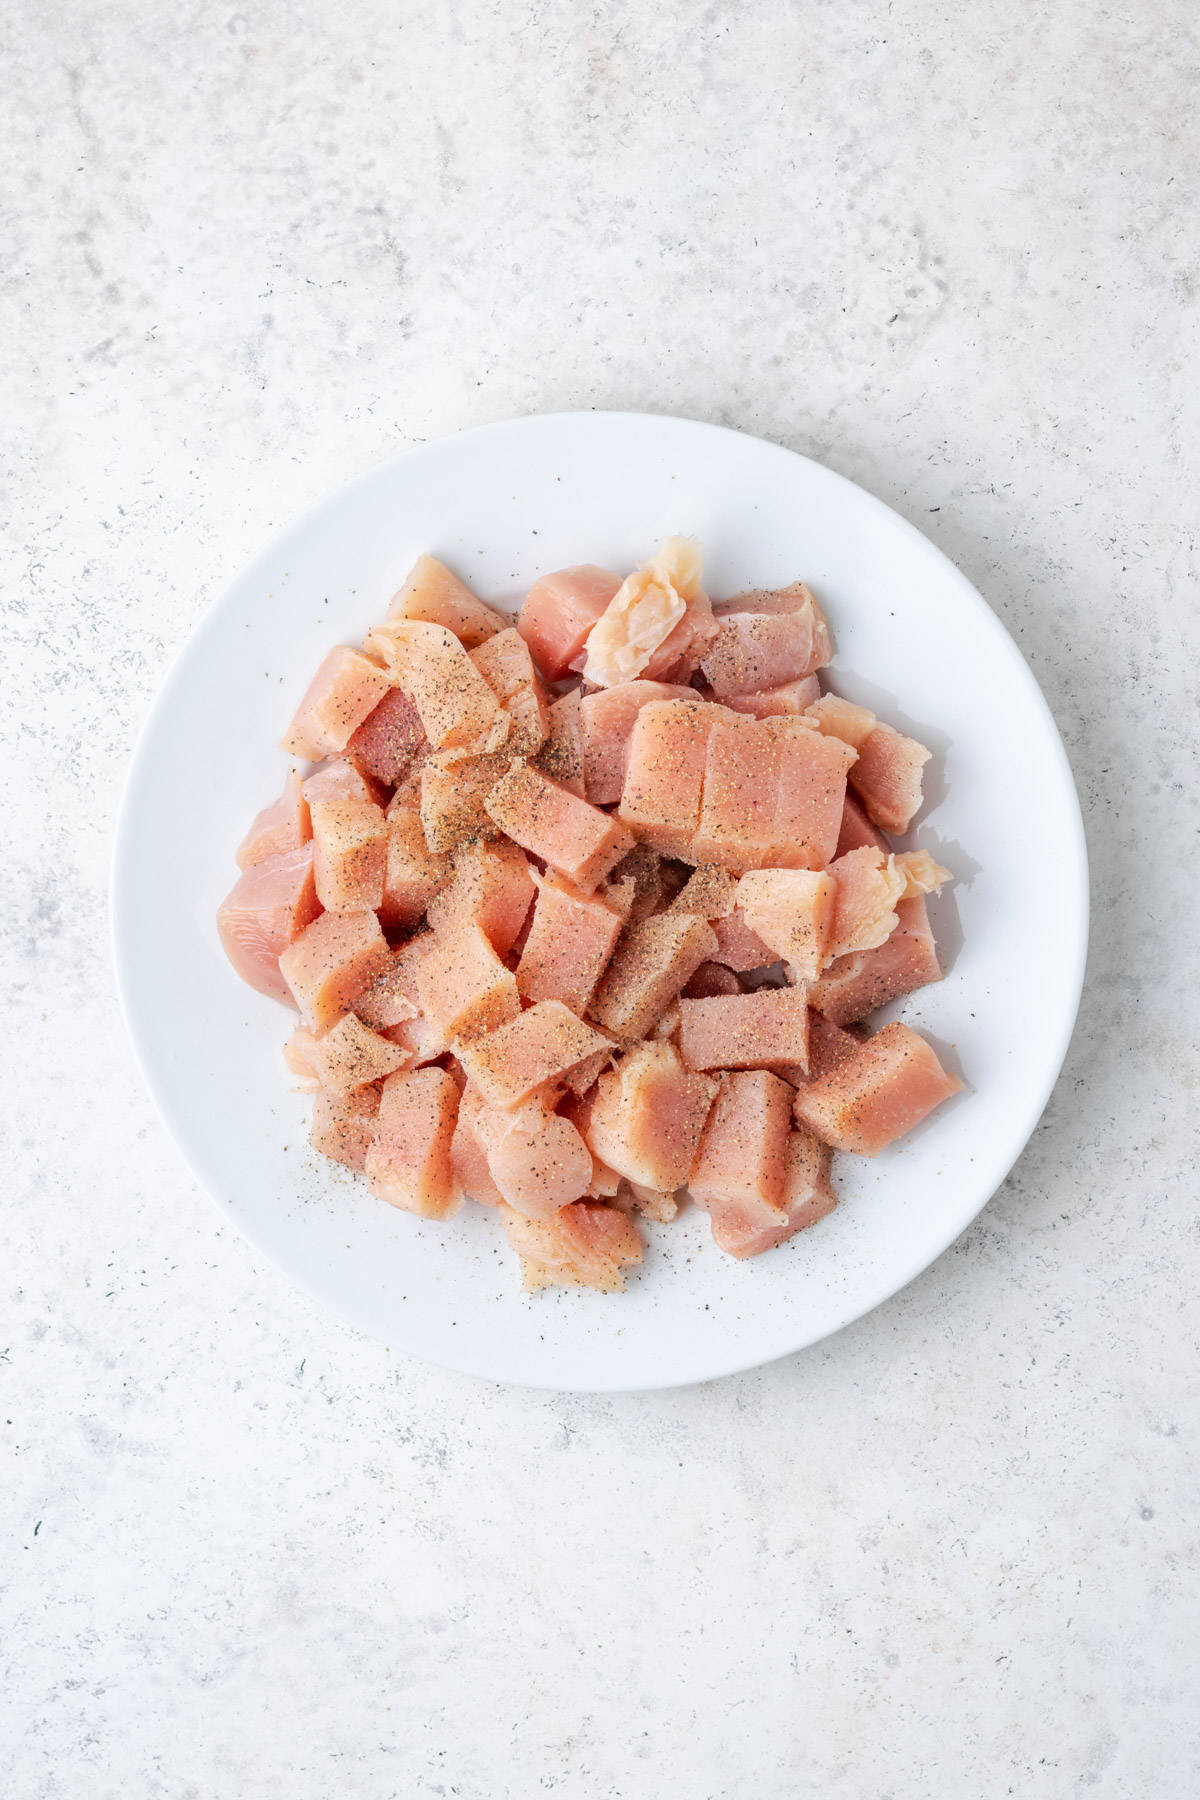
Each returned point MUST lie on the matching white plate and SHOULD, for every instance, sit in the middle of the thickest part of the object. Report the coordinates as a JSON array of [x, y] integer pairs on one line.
[[914, 641]]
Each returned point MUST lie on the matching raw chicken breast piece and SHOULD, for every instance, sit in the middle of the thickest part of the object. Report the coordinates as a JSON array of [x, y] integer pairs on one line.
[[537, 1159], [350, 853], [740, 1161], [648, 1115], [284, 825], [458, 709], [664, 781], [569, 946], [792, 912], [331, 962], [709, 892], [586, 1244], [413, 873], [268, 908], [807, 1198], [351, 1055], [342, 779], [492, 887], [435, 596], [855, 985], [642, 615], [408, 1163], [857, 831], [468, 1151], [710, 979], [343, 1125], [842, 719], [560, 610], [753, 652], [345, 690], [767, 1029], [390, 740], [653, 961], [887, 778], [561, 756], [741, 795], [606, 721], [464, 988], [790, 700], [391, 997], [454, 789], [738, 947], [870, 886], [530, 1055], [577, 839], [812, 794], [508, 668], [863, 1094]]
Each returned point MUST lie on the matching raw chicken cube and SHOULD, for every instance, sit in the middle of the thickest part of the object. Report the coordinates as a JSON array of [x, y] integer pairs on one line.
[[807, 1197], [350, 853], [741, 795], [642, 614], [468, 1151], [351, 1055], [343, 1125], [267, 909], [454, 788], [586, 1244], [413, 873], [432, 594], [344, 691], [569, 946], [812, 793], [530, 1055], [767, 1029], [561, 756], [792, 911], [463, 986], [390, 740], [796, 598], [842, 719], [752, 652], [492, 887], [508, 668], [664, 781], [870, 886], [606, 719], [740, 1161], [284, 825], [855, 985], [458, 709], [887, 778], [560, 610], [299, 1053], [536, 1158], [391, 997], [565, 831], [857, 831], [738, 947], [341, 779], [710, 979], [648, 1115], [408, 1163], [331, 962], [790, 700], [865, 1093], [653, 961], [709, 892]]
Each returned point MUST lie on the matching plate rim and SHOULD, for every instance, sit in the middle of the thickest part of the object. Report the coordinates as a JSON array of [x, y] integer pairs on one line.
[[1075, 873]]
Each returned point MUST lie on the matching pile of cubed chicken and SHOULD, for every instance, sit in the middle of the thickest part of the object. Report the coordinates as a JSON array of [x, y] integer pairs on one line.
[[585, 912]]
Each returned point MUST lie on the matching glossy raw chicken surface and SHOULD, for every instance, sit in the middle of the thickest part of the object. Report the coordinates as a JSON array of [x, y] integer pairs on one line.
[[585, 913]]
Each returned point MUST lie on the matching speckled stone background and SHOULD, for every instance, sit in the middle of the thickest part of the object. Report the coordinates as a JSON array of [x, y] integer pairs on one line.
[[952, 251]]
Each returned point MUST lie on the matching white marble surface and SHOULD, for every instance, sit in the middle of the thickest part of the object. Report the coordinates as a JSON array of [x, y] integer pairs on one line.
[[951, 251]]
